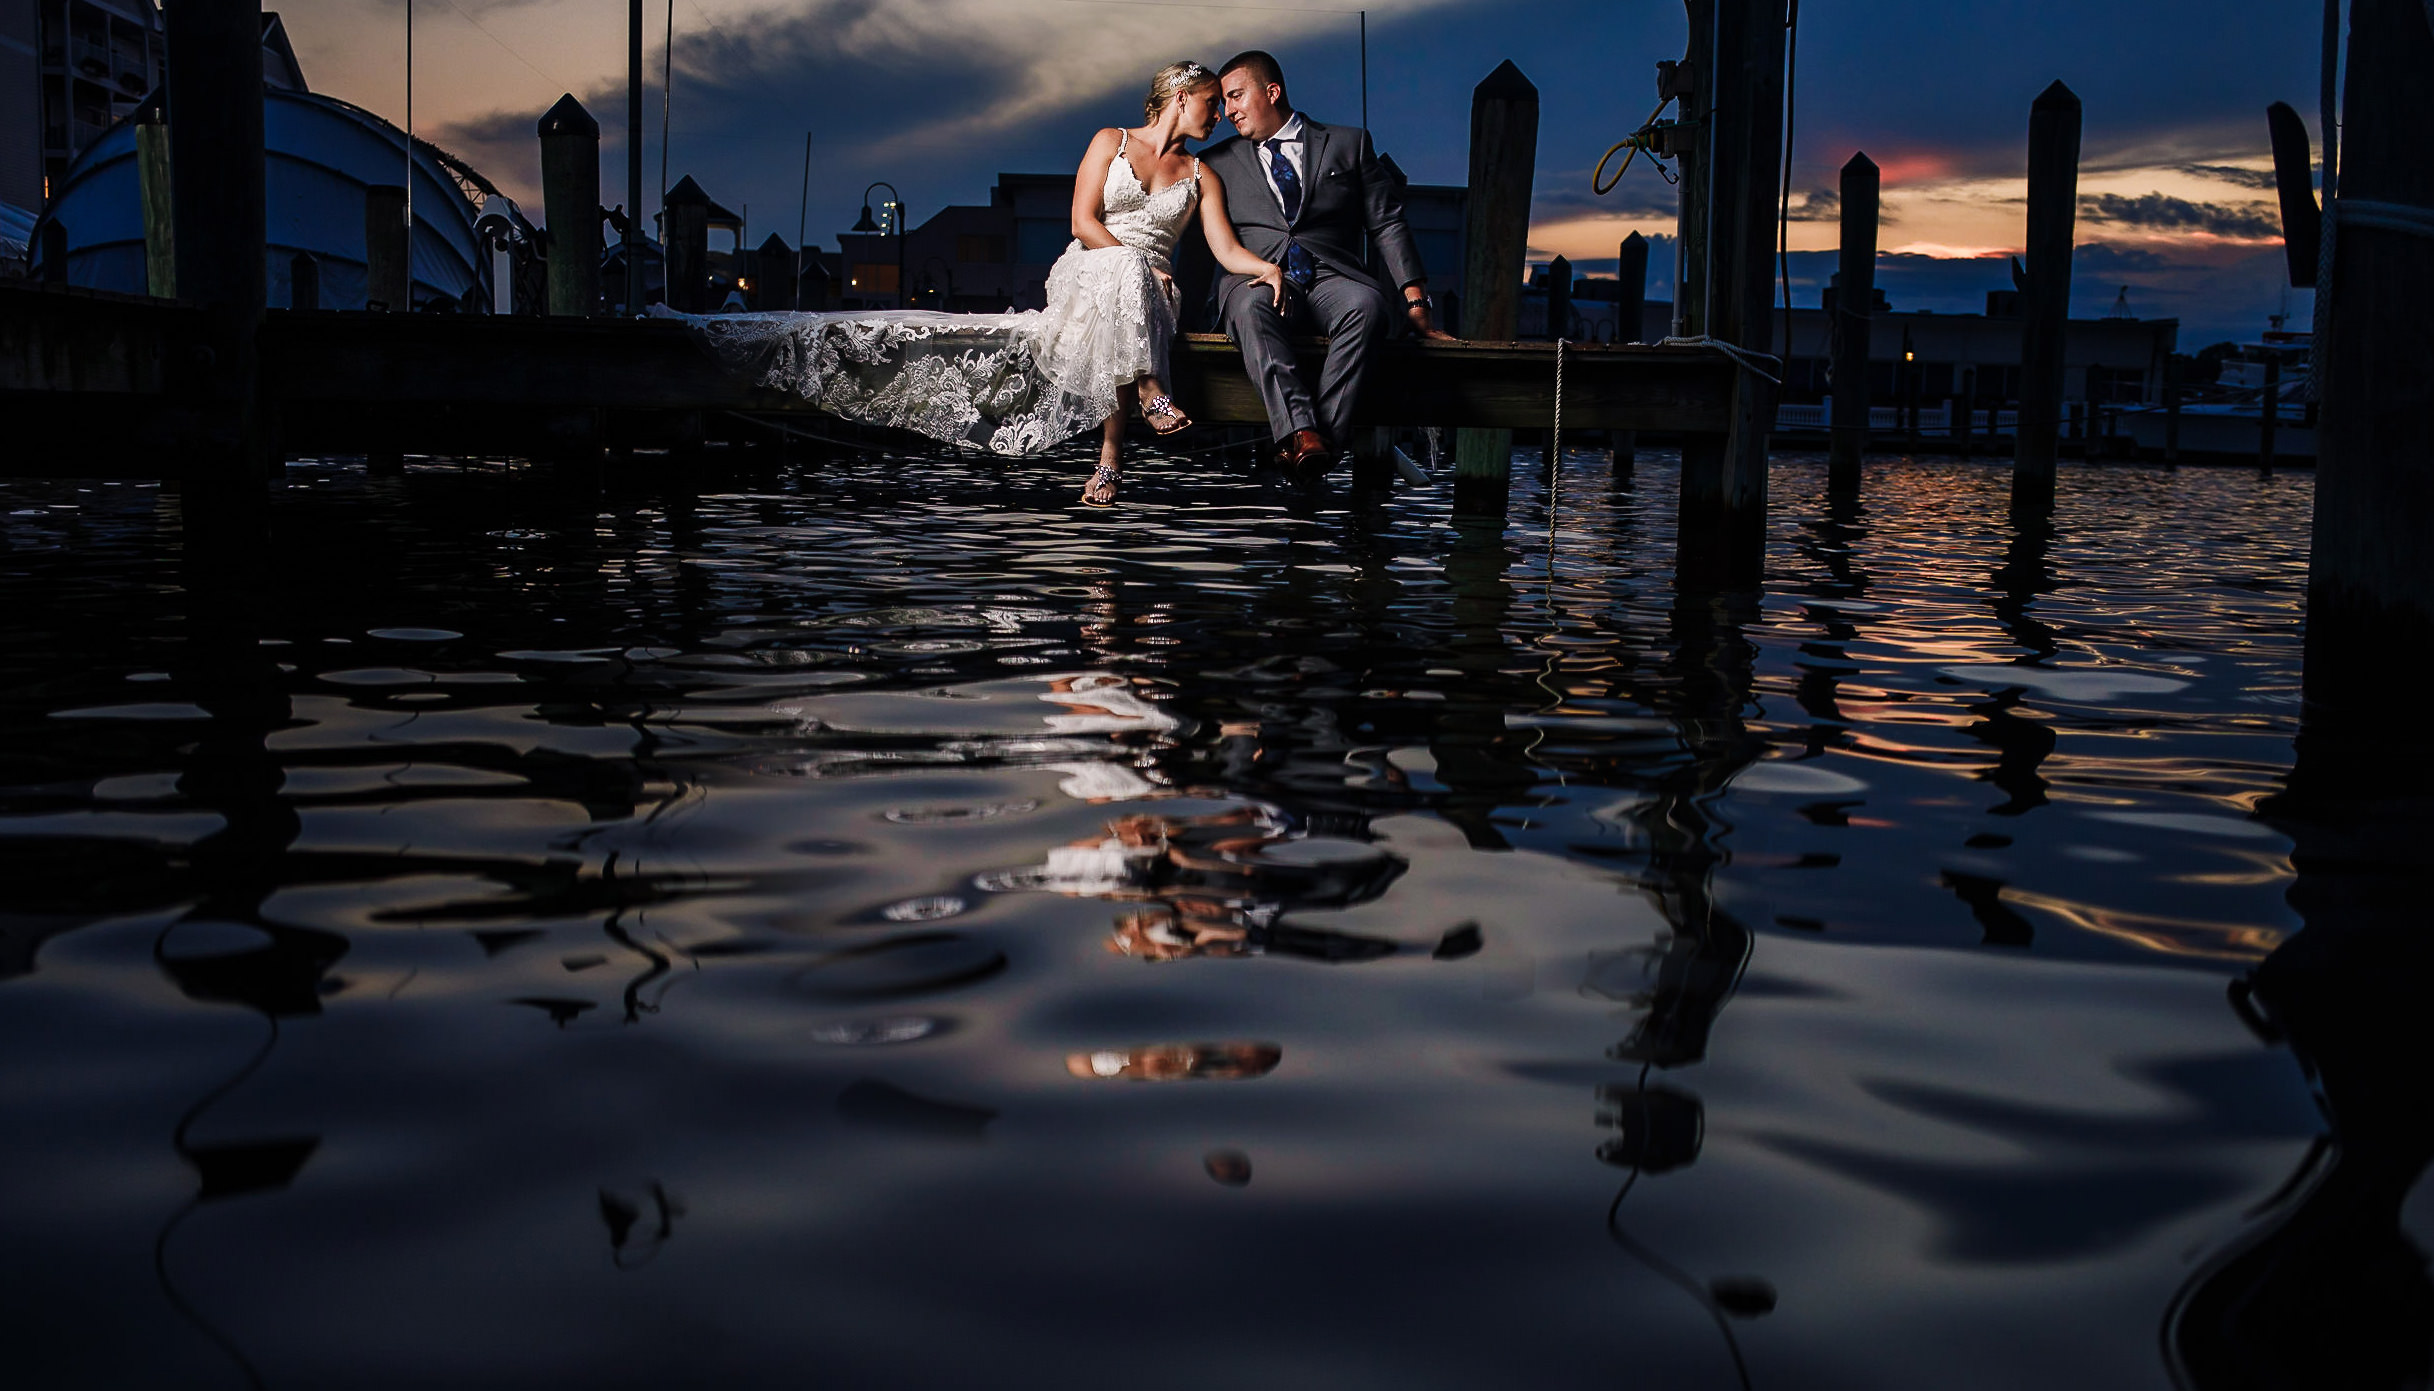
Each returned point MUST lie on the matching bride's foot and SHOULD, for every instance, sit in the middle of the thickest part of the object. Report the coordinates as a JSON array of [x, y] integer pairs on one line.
[[1100, 491], [1163, 415]]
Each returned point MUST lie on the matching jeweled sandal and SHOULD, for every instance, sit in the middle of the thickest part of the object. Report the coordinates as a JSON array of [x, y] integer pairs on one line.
[[1100, 491], [1165, 406]]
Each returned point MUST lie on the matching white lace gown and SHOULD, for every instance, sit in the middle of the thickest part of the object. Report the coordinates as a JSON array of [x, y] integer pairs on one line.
[[1015, 383]]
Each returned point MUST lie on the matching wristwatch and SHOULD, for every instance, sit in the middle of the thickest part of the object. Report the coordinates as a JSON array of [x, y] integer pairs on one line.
[[1423, 302]]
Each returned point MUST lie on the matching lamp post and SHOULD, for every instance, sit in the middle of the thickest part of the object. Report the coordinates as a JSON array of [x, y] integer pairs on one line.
[[895, 205]]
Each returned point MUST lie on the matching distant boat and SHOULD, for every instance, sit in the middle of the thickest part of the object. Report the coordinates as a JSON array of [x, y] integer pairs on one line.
[[2227, 419], [320, 154]]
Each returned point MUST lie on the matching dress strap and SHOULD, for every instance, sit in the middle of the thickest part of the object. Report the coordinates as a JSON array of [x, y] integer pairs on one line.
[[1123, 138]]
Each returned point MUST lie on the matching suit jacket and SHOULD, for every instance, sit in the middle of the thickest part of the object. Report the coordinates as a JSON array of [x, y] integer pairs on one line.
[[1346, 191]]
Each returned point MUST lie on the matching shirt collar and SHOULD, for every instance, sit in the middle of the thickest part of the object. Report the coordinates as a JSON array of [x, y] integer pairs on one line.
[[1290, 132]]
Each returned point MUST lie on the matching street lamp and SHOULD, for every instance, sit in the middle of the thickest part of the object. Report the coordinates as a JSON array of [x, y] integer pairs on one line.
[[895, 204]]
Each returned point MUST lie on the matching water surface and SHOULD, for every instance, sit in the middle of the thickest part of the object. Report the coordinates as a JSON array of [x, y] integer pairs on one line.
[[882, 924]]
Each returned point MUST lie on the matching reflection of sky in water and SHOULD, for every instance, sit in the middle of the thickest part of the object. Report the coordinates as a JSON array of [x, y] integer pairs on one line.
[[739, 966]]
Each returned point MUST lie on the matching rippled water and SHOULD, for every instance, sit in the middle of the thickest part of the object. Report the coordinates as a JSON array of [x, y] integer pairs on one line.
[[884, 925]]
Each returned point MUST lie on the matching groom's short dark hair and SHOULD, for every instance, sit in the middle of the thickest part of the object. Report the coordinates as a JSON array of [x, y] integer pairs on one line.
[[1262, 65]]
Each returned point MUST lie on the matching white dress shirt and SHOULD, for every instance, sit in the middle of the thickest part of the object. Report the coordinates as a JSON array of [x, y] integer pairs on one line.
[[1292, 144]]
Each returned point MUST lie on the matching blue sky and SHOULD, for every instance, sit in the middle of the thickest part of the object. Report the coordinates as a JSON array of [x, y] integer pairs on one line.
[[938, 96]]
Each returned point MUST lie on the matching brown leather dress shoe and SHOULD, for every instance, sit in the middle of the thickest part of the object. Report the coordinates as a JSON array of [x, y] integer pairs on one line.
[[1305, 449]]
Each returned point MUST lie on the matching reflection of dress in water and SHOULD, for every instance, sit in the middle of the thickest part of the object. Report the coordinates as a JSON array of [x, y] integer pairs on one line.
[[1015, 383]]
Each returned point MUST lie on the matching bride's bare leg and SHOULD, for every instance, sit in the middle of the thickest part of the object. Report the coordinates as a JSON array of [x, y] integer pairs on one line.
[[1100, 491]]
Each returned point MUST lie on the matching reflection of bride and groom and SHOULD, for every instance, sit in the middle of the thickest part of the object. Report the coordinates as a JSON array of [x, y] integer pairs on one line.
[[1285, 207]]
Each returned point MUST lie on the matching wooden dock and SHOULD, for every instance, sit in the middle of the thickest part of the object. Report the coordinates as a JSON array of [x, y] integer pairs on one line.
[[99, 384]]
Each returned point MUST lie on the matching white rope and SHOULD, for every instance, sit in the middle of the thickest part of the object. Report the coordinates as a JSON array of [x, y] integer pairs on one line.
[[1737, 353]]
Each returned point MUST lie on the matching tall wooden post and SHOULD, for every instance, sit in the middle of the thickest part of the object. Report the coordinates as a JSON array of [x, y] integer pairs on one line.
[[686, 227], [214, 50], [1504, 155], [388, 284], [2045, 301], [570, 205], [152, 184], [773, 265], [303, 281], [2269, 413], [1854, 317], [633, 159], [1559, 298], [2172, 400], [1630, 314], [1723, 507], [1694, 78]]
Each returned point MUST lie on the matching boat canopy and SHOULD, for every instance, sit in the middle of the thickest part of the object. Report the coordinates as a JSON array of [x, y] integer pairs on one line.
[[319, 155]]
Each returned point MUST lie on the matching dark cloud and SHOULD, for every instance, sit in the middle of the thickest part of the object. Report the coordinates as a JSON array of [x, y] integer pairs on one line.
[[1817, 205], [2158, 212], [2231, 174]]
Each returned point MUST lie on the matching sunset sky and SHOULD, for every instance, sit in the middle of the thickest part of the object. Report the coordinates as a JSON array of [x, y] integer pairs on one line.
[[938, 96]]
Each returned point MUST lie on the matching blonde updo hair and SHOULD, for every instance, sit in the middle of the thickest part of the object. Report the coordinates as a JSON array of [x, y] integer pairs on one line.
[[1174, 78]]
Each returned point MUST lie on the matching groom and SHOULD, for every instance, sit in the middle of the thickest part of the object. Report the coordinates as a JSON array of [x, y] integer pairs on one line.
[[1301, 195]]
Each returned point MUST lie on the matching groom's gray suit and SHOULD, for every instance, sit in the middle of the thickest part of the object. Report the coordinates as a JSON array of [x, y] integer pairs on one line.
[[1346, 192]]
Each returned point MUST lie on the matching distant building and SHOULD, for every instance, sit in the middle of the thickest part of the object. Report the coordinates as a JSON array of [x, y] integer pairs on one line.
[[2114, 360], [994, 256], [69, 70]]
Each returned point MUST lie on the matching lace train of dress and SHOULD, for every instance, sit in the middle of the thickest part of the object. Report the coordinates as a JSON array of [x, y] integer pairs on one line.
[[1015, 383]]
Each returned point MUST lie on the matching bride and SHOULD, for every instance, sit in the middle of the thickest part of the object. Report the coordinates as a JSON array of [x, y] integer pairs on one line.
[[1019, 383]]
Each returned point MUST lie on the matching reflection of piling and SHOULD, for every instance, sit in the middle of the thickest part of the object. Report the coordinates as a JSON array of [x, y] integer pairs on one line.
[[687, 230], [570, 200], [220, 234], [1854, 314], [1504, 152], [152, 184], [387, 282], [1630, 310], [2045, 301]]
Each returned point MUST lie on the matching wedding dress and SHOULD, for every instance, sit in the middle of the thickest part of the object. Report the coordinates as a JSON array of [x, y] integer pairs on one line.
[[1015, 383]]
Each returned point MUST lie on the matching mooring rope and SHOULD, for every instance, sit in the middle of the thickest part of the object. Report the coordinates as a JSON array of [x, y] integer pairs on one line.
[[1555, 466]]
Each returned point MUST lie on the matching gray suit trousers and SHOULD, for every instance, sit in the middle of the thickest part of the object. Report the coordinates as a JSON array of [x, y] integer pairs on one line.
[[1353, 314]]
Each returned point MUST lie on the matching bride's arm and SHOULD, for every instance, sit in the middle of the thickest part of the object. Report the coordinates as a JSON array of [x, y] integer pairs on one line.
[[1228, 248], [1090, 191]]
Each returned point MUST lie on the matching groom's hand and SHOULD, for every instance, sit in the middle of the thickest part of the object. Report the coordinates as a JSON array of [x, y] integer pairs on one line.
[[1416, 310]]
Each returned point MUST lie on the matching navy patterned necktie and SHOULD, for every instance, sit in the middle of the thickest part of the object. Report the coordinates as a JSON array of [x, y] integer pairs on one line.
[[1288, 183], [1300, 270]]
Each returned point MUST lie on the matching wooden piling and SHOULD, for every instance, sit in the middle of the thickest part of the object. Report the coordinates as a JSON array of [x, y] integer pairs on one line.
[[1559, 299], [1854, 318], [303, 281], [152, 186], [1723, 507], [2045, 301], [219, 236], [52, 244], [1504, 153], [2302, 221], [2269, 414], [772, 272], [633, 160], [1962, 410], [388, 284], [570, 199], [1693, 77], [2173, 372], [1630, 313], [687, 231], [2370, 590]]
